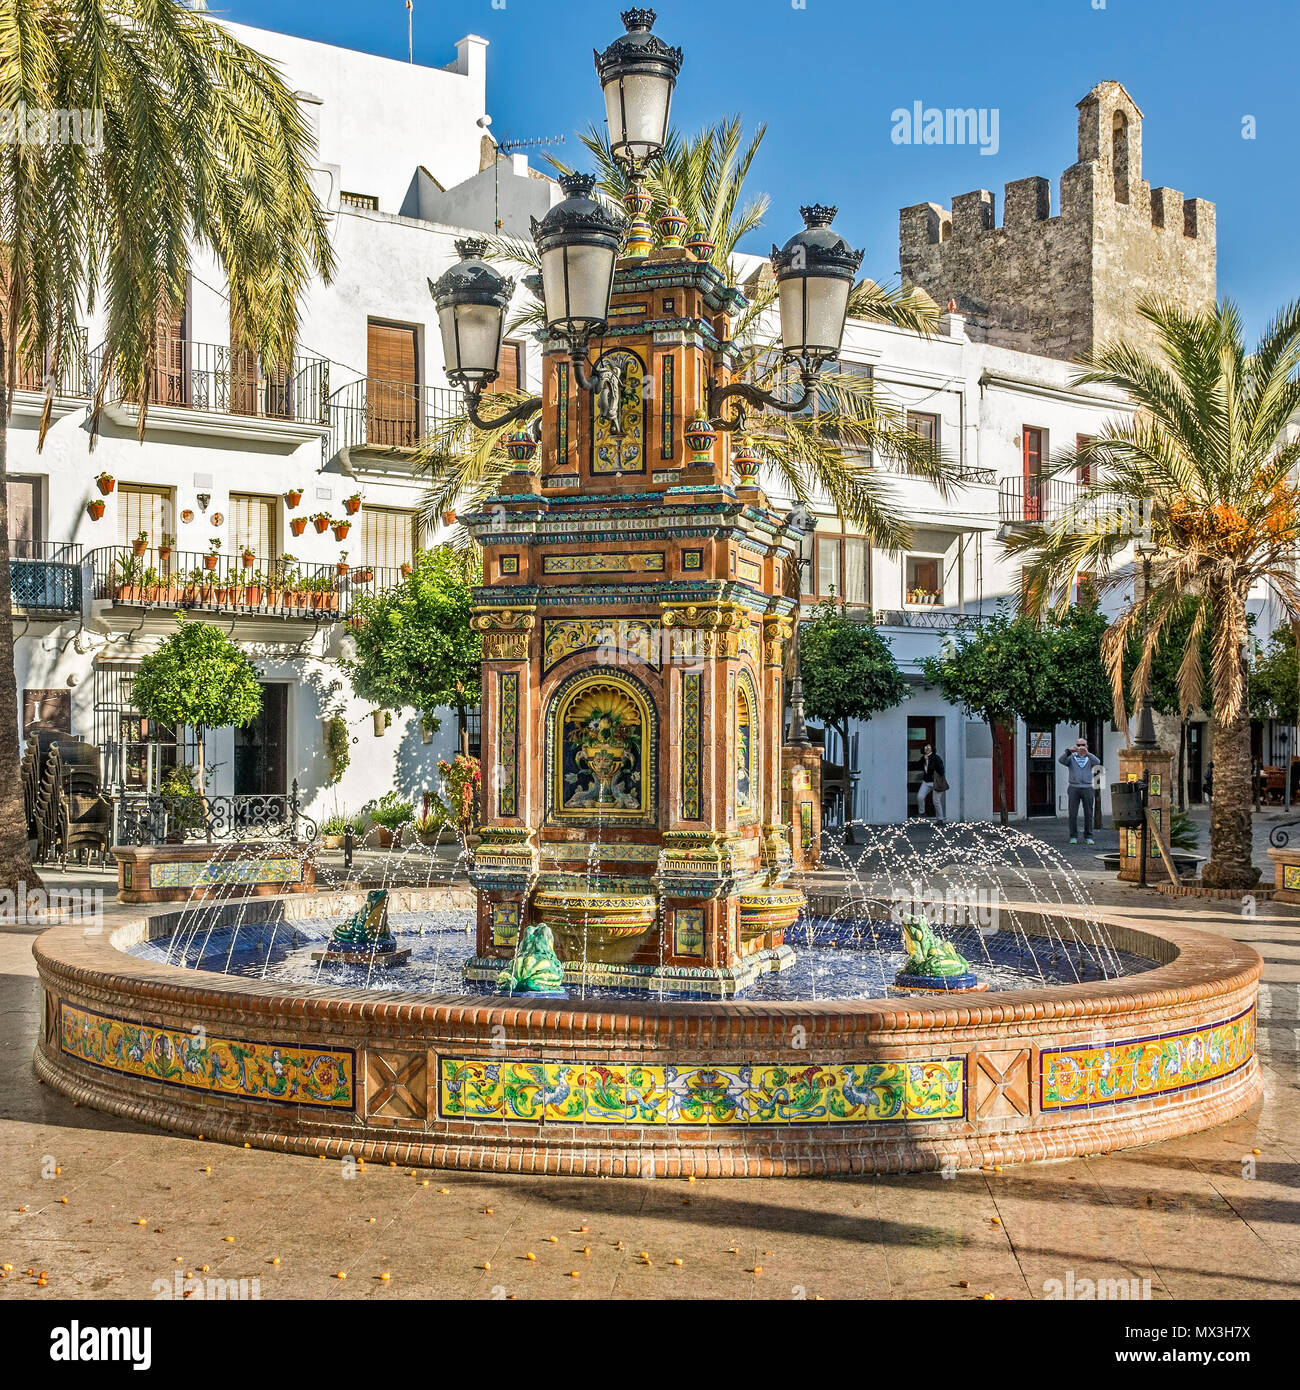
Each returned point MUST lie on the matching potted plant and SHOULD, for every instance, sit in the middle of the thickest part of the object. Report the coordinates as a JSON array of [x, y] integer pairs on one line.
[[214, 550], [449, 517], [408, 569], [341, 564], [336, 826], [248, 555], [293, 497], [253, 588], [435, 819], [181, 801], [140, 544], [321, 521], [462, 781], [352, 505], [382, 719], [106, 482], [128, 575], [166, 544], [364, 575], [341, 529], [96, 509], [297, 525], [390, 813]]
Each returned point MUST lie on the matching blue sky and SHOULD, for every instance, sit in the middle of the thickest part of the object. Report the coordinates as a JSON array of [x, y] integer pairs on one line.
[[827, 74]]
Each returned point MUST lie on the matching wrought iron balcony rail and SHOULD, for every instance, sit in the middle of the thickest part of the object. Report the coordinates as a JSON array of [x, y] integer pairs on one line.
[[375, 414], [161, 818], [186, 579], [45, 577], [234, 381], [1049, 501], [73, 378], [937, 621]]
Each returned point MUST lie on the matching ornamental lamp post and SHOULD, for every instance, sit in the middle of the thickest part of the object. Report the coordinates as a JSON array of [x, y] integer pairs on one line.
[[815, 271], [638, 72], [578, 242], [472, 298]]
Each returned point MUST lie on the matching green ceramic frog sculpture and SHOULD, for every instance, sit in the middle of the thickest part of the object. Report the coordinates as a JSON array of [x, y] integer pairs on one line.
[[536, 969], [926, 954]]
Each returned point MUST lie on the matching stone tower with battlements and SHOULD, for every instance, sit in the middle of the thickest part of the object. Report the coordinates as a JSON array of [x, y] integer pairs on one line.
[[1058, 286]]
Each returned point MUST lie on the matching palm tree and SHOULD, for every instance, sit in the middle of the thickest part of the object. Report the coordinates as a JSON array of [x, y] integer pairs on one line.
[[826, 451], [194, 142], [1205, 468]]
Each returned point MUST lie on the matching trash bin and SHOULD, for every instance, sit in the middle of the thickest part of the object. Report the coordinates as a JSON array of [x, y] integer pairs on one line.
[[1126, 809]]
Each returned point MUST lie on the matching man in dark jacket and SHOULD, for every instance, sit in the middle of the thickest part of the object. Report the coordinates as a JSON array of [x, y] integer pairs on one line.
[[933, 782], [1084, 771]]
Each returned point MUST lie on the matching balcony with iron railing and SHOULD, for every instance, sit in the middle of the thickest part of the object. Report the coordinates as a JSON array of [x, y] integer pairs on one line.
[[72, 382], [1034, 501], [388, 416], [160, 578], [215, 388], [1051, 501], [45, 579]]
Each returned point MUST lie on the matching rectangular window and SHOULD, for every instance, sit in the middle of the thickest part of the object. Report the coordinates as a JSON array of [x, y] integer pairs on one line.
[[1034, 442], [843, 569], [393, 415], [24, 499], [1084, 471], [388, 538], [511, 367], [146, 509], [253, 524], [927, 426], [924, 574]]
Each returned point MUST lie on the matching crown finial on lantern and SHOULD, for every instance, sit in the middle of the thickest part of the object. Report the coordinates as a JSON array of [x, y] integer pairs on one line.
[[638, 19], [818, 215], [471, 248]]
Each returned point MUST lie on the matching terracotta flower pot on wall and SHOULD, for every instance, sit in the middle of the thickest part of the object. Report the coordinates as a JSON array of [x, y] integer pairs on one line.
[[96, 509]]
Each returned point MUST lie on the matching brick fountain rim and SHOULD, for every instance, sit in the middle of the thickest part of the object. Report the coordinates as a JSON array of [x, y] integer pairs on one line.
[[1202, 980]]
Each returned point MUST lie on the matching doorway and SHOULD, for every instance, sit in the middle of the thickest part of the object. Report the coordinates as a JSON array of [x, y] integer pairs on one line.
[[919, 732], [1195, 763], [1004, 757], [261, 747], [1040, 772]]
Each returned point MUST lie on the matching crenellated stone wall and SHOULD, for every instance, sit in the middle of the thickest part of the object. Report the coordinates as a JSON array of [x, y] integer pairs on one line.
[[1062, 285]]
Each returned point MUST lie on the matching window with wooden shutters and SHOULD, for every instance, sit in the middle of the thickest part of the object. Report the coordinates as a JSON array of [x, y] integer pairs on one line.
[[1035, 450], [511, 367], [171, 383], [843, 569], [252, 520], [388, 538], [392, 392], [1084, 471], [24, 498], [144, 509]]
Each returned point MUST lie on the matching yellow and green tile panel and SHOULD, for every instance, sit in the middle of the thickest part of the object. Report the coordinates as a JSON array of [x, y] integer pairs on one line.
[[480, 1088], [1104, 1073], [201, 1061]]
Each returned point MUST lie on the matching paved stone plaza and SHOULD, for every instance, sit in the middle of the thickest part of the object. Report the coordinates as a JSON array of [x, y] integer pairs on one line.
[[1181, 1214]]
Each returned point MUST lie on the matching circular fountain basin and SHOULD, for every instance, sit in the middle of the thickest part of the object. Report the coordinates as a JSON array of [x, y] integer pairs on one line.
[[634, 1087]]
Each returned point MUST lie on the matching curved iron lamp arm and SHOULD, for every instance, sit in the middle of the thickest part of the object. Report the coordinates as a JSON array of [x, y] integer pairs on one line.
[[523, 411], [752, 395]]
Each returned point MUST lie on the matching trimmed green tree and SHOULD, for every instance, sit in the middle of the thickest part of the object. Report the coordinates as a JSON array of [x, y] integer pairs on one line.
[[848, 670], [198, 677], [415, 648], [1275, 679], [999, 673]]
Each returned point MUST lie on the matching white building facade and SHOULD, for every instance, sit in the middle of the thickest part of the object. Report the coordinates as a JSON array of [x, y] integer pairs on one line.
[[236, 457]]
